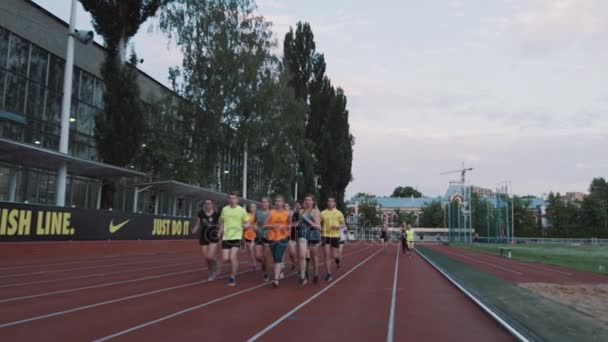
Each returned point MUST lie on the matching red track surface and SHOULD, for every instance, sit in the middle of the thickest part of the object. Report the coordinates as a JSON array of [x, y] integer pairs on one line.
[[517, 271], [156, 291]]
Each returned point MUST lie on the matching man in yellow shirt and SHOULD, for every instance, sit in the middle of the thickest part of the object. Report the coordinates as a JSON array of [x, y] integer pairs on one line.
[[332, 220], [233, 218]]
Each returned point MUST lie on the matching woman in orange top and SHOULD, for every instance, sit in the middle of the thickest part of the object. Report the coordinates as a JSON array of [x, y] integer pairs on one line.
[[249, 235], [278, 226]]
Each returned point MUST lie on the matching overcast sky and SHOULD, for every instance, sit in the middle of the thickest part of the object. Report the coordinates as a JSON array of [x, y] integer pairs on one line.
[[516, 89]]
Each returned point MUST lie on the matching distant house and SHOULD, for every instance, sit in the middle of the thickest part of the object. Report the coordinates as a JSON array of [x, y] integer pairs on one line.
[[390, 208]]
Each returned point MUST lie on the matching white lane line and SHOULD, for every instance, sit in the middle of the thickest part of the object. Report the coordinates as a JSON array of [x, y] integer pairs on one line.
[[391, 320], [178, 313], [14, 299], [481, 262], [117, 300], [485, 308], [310, 299], [200, 306], [84, 268], [86, 261], [94, 275]]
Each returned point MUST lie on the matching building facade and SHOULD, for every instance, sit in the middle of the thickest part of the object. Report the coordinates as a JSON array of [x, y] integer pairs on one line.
[[32, 58]]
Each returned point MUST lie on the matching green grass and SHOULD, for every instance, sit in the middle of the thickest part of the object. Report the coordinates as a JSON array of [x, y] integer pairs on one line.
[[584, 258], [537, 317]]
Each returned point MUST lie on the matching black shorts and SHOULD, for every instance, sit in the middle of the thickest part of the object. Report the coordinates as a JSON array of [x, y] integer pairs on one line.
[[209, 237], [334, 242], [260, 241], [227, 244], [342, 242]]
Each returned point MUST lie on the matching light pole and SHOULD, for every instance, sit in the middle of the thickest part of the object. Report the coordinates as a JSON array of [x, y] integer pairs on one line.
[[295, 190], [64, 137]]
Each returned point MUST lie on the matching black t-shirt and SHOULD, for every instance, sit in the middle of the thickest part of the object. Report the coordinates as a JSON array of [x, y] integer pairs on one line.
[[209, 222]]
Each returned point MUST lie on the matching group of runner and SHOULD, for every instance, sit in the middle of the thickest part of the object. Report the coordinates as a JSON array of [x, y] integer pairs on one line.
[[268, 232]]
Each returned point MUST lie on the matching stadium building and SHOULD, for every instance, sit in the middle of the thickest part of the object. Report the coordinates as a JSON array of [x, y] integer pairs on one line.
[[32, 56]]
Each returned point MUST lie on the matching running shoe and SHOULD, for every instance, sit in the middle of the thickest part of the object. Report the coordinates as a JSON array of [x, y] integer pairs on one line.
[[266, 278], [211, 276], [275, 284], [315, 279], [329, 277], [339, 265], [231, 281], [282, 275], [303, 281]]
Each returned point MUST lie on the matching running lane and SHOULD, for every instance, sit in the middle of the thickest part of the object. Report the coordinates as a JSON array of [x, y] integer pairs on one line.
[[234, 318], [429, 308], [355, 308]]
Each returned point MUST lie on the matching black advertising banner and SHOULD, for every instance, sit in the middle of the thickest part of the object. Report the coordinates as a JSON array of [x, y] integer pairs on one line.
[[25, 222]]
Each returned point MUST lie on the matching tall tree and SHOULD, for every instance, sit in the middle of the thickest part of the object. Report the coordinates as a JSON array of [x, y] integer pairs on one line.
[[406, 191], [226, 68], [119, 20], [118, 129]]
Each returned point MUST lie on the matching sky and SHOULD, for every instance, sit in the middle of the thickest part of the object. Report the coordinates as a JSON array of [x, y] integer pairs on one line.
[[515, 89]]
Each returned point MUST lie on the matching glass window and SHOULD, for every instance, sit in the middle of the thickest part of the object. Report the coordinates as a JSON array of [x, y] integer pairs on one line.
[[35, 101], [2, 78], [86, 121], [53, 107], [19, 51], [38, 63], [3, 47], [10, 130], [87, 87], [4, 184], [76, 83], [56, 73], [100, 89], [15, 94]]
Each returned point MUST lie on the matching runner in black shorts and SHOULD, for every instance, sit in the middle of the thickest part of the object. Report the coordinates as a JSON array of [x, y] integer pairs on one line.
[[384, 234], [207, 221], [332, 220], [309, 237]]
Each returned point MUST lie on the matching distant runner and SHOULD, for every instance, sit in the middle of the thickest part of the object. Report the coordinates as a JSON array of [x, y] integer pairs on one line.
[[408, 240], [249, 236], [309, 237], [262, 252], [278, 225]]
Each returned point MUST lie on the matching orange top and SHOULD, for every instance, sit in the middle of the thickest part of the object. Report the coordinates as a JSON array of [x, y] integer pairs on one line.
[[280, 218], [249, 232]]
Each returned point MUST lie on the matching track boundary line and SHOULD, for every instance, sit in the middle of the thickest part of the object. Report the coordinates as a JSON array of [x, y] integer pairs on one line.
[[391, 318], [311, 298], [121, 299], [479, 303]]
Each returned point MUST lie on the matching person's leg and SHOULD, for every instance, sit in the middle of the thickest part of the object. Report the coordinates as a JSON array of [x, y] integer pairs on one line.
[[327, 257], [212, 258], [302, 244], [293, 253], [225, 252], [251, 251], [339, 256], [314, 255], [205, 254], [403, 245], [259, 254], [234, 260]]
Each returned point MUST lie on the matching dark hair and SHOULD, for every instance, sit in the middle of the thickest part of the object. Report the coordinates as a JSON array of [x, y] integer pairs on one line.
[[331, 198], [312, 197], [264, 198], [205, 200], [279, 197], [233, 193]]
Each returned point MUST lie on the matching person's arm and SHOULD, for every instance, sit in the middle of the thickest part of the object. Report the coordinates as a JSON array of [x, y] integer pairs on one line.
[[221, 225], [197, 225], [245, 220]]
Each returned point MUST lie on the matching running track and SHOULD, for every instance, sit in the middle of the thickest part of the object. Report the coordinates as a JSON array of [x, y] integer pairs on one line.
[[136, 291]]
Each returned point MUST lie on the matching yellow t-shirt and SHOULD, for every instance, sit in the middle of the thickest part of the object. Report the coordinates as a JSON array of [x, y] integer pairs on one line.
[[409, 235], [232, 222], [330, 218]]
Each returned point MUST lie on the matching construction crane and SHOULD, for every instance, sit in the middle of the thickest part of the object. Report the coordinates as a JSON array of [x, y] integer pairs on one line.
[[463, 171]]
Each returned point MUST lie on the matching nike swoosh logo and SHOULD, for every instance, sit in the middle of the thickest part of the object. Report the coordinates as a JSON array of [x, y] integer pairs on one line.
[[114, 228]]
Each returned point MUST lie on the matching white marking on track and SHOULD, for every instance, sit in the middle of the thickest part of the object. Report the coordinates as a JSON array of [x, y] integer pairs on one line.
[[391, 318], [310, 299]]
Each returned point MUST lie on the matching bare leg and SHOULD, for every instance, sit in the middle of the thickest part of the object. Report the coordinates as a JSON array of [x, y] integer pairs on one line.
[[212, 259], [314, 256], [327, 253], [302, 244], [234, 261], [293, 253], [251, 251], [260, 256]]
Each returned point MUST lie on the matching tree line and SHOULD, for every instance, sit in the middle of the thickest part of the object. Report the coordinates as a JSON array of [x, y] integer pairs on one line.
[[235, 93]]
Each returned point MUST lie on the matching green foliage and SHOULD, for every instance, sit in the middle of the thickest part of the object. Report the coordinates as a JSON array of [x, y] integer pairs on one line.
[[118, 21], [433, 215], [326, 121], [370, 215], [406, 191], [363, 195]]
